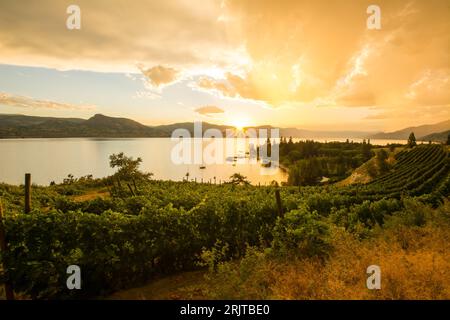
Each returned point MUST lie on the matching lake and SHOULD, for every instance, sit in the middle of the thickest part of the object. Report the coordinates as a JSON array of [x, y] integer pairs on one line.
[[53, 159]]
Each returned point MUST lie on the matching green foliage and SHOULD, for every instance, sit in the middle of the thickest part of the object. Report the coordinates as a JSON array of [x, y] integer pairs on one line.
[[127, 172], [238, 179], [334, 160], [302, 233], [381, 158], [149, 236], [124, 240], [305, 172], [240, 279], [412, 140], [372, 169]]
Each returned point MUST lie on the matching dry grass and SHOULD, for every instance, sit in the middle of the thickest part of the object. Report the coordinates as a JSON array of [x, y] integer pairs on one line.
[[414, 262], [421, 271]]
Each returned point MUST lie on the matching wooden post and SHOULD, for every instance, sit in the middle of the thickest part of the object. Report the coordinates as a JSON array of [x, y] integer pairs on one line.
[[4, 247], [27, 192], [279, 205]]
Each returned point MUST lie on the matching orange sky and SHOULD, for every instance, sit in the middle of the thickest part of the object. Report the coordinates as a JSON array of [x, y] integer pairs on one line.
[[310, 64]]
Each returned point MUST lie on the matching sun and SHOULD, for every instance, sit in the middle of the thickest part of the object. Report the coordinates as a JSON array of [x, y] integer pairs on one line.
[[240, 123]]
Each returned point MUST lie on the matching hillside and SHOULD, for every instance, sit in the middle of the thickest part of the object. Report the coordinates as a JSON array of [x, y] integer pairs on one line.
[[439, 136], [21, 126], [423, 170], [420, 132]]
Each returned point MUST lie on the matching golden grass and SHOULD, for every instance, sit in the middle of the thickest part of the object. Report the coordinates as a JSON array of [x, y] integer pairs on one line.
[[422, 271], [414, 262]]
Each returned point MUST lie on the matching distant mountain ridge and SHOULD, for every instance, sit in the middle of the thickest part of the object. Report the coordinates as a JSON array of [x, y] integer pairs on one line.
[[438, 136], [421, 132], [101, 126], [19, 126]]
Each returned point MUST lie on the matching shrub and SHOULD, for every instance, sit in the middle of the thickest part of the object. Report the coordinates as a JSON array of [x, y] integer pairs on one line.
[[301, 232]]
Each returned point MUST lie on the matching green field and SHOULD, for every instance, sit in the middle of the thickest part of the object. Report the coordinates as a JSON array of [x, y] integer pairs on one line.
[[125, 237]]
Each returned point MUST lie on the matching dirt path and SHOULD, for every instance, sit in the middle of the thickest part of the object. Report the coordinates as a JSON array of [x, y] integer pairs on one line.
[[186, 285], [91, 195]]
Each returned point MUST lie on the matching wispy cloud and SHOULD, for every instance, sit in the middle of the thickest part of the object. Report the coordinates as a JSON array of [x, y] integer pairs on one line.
[[27, 102], [209, 110]]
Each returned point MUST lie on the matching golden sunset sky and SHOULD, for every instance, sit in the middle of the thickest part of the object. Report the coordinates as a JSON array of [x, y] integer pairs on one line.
[[308, 64]]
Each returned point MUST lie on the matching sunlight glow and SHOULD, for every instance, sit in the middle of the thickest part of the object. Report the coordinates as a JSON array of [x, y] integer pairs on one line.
[[240, 123]]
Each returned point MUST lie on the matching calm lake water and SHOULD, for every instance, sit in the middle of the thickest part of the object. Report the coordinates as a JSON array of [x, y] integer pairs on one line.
[[53, 159]]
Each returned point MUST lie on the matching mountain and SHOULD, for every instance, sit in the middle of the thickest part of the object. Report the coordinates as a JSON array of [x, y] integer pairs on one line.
[[103, 126], [20, 126], [420, 132], [438, 136], [310, 134], [189, 126]]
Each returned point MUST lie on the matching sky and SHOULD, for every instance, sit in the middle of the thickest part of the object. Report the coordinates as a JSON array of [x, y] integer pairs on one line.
[[306, 64]]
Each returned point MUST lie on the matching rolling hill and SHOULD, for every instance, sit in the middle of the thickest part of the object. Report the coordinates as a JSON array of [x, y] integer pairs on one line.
[[420, 131], [438, 136], [21, 126]]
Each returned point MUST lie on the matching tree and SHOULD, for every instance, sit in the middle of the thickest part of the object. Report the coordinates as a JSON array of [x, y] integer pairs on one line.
[[305, 172], [238, 179], [372, 169], [128, 170], [366, 150], [412, 140], [381, 160], [448, 139]]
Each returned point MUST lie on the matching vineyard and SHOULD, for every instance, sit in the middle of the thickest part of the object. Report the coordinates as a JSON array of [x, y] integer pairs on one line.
[[162, 227], [422, 171]]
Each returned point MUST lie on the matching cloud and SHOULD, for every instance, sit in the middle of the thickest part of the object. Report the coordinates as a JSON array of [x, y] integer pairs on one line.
[[216, 85], [322, 50], [277, 53], [115, 37], [26, 102], [432, 88], [160, 75], [209, 110], [404, 117], [146, 94]]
